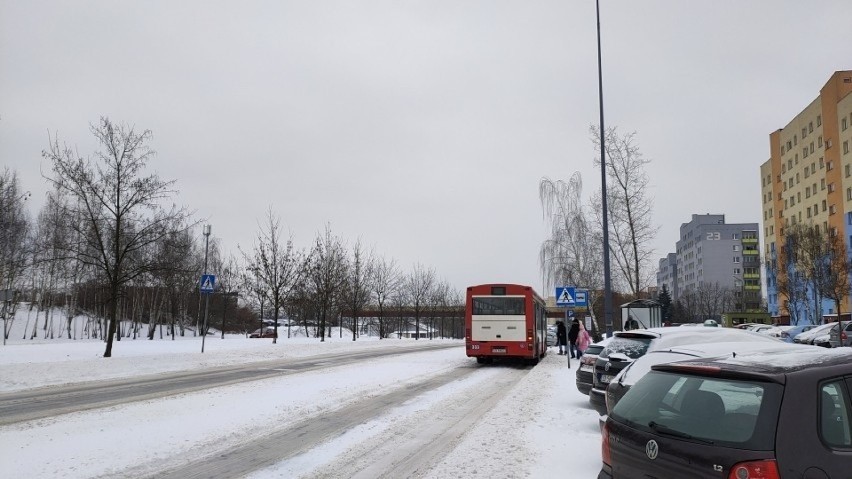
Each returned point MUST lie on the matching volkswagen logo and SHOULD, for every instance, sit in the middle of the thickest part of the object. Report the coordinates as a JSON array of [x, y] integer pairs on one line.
[[606, 366], [652, 449]]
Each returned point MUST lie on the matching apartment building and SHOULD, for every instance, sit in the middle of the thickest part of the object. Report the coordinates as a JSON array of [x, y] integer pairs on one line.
[[808, 178], [711, 251], [667, 275]]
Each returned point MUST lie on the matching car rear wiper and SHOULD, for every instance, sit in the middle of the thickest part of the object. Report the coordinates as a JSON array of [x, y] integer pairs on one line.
[[662, 429]]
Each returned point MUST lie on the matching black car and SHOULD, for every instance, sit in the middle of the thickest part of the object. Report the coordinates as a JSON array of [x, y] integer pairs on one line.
[[587, 367], [786, 414]]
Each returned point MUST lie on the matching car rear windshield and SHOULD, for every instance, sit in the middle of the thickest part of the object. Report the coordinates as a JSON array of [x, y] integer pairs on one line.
[[631, 347], [703, 409]]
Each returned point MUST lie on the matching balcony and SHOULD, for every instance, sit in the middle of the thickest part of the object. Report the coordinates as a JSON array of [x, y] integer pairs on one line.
[[751, 251], [752, 276], [749, 240]]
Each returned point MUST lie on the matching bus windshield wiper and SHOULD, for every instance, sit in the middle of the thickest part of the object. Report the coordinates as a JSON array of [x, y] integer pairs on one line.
[[662, 429]]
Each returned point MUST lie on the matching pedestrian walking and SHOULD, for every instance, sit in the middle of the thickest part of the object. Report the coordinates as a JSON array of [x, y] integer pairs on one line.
[[572, 337], [560, 336], [583, 341]]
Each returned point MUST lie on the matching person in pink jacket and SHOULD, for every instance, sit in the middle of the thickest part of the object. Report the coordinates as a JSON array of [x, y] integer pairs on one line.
[[583, 340]]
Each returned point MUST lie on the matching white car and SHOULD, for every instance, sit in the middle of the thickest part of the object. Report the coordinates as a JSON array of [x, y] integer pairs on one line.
[[628, 376], [808, 336]]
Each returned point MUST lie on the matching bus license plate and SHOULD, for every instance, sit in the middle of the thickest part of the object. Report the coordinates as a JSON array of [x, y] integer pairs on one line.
[[498, 350], [606, 378]]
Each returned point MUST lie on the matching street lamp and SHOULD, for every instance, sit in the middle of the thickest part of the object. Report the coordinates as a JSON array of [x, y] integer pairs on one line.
[[607, 276], [206, 296]]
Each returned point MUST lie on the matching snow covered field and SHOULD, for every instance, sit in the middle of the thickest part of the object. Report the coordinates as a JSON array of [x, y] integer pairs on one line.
[[542, 428]]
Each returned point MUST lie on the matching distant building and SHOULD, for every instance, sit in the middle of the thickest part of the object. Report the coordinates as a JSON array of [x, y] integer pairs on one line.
[[808, 179], [711, 251]]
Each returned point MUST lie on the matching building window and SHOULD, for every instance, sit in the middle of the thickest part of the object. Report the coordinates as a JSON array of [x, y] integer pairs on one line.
[[821, 163], [819, 120], [808, 192], [848, 170], [811, 127], [845, 147], [849, 218], [832, 209], [819, 142], [831, 187], [736, 271], [736, 247], [849, 194], [822, 184], [824, 205], [844, 124], [812, 147], [809, 211], [830, 166], [795, 140], [805, 152], [736, 259], [804, 132]]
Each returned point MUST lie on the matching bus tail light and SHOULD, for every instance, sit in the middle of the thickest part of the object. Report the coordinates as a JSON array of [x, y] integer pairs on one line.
[[530, 335], [606, 456], [467, 334], [765, 469]]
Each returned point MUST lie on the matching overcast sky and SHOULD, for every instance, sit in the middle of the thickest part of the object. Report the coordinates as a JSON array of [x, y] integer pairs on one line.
[[422, 127]]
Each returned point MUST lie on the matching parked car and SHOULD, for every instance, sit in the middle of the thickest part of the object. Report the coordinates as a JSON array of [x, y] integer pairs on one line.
[[808, 336], [629, 345], [263, 333], [761, 328], [754, 416], [587, 365], [642, 366], [789, 335], [823, 340], [840, 335], [551, 336], [777, 331]]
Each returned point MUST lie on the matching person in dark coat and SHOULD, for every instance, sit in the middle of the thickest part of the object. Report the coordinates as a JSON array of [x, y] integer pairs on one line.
[[572, 338], [561, 337]]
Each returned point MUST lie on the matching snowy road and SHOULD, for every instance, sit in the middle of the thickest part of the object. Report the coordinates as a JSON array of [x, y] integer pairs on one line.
[[422, 414]]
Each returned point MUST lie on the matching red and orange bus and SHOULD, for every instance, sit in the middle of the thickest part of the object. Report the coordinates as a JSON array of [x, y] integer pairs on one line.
[[505, 321]]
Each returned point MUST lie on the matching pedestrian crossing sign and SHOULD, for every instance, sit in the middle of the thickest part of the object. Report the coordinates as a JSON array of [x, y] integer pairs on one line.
[[207, 284], [565, 296]]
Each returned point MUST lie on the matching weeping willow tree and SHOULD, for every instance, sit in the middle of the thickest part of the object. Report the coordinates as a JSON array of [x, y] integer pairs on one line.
[[573, 254]]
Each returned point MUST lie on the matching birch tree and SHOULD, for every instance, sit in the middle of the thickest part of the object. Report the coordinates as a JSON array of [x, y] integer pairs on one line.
[[386, 282], [121, 207]]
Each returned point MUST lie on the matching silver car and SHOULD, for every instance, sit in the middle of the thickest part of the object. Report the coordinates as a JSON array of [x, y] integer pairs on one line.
[[840, 335]]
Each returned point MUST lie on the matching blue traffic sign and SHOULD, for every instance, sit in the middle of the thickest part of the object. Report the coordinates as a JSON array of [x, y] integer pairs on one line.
[[565, 296], [207, 284], [581, 298]]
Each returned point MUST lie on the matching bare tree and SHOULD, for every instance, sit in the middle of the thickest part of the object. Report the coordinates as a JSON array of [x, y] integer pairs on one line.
[[712, 300], [276, 266], [838, 271], [14, 250], [327, 275], [358, 278], [386, 282], [121, 209], [418, 287], [630, 208], [790, 283]]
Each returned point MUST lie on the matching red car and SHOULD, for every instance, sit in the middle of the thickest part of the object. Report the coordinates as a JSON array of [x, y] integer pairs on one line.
[[263, 333]]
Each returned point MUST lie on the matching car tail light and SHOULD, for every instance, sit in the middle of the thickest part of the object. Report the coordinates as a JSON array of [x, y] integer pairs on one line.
[[843, 336], [766, 469], [606, 455]]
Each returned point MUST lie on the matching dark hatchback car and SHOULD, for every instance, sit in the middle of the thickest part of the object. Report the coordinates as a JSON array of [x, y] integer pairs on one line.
[[587, 366], [784, 415]]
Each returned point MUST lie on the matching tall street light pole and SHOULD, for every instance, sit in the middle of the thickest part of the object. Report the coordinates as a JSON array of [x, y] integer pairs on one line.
[[206, 296], [607, 276]]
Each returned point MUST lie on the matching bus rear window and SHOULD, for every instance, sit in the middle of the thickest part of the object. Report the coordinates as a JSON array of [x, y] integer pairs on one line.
[[498, 306]]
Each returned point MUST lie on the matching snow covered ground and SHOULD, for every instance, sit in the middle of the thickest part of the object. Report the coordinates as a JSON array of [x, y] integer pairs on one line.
[[542, 428]]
